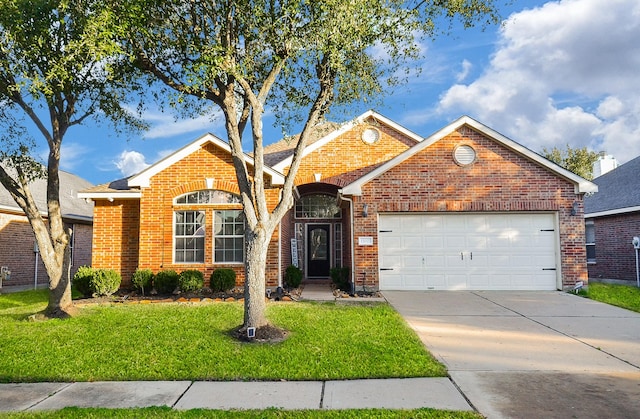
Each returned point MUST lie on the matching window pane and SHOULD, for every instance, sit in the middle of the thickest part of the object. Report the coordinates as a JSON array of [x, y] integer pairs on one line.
[[591, 253], [208, 196], [229, 236], [590, 233], [189, 236], [318, 206]]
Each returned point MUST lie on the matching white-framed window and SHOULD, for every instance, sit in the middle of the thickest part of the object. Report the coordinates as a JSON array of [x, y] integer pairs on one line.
[[590, 239], [208, 196], [318, 206], [189, 236], [228, 236]]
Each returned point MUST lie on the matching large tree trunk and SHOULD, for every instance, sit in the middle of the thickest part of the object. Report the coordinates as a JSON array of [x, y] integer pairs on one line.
[[60, 302], [254, 286]]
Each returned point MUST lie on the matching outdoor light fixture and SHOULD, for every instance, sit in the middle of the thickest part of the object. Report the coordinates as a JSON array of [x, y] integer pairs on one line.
[[365, 210], [574, 208]]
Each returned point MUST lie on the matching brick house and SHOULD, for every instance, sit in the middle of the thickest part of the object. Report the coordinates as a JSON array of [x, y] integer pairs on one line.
[[18, 251], [465, 208], [612, 219]]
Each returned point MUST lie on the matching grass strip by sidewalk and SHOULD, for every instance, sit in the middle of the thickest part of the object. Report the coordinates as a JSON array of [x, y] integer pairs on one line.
[[165, 412], [624, 296], [191, 342]]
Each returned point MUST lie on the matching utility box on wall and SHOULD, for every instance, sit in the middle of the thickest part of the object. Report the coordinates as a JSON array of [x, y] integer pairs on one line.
[[5, 275]]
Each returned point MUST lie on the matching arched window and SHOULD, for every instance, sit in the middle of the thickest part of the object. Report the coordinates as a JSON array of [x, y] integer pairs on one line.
[[208, 196], [318, 206]]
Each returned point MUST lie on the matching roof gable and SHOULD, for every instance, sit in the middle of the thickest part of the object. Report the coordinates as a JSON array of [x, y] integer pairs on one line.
[[143, 178], [618, 191], [581, 185], [285, 156]]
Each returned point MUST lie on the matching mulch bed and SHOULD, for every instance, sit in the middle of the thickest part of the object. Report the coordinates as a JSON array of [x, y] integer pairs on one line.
[[205, 295]]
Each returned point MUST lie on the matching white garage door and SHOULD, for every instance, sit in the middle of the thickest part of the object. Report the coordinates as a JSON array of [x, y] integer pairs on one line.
[[467, 251]]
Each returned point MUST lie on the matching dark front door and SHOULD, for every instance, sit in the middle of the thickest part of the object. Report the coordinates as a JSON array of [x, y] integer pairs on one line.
[[318, 250]]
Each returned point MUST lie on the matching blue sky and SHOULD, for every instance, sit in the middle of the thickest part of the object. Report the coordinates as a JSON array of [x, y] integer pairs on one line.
[[555, 73]]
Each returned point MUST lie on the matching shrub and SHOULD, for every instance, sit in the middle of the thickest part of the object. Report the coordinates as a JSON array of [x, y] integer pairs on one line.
[[340, 277], [293, 276], [223, 279], [105, 282], [142, 279], [96, 282], [191, 280], [166, 281], [82, 279]]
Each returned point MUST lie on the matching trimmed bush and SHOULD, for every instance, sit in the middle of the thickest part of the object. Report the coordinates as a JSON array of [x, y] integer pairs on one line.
[[191, 280], [340, 277], [142, 279], [105, 282], [82, 279], [166, 281], [223, 280], [293, 276], [96, 282]]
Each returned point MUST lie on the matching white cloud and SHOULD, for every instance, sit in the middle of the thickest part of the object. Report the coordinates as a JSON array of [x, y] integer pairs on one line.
[[71, 155], [131, 162], [164, 125], [563, 73], [464, 71]]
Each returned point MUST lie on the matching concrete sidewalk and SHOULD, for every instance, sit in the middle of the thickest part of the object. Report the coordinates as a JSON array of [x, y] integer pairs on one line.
[[409, 393]]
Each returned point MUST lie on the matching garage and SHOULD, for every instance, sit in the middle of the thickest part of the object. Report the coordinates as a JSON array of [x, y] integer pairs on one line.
[[468, 251]]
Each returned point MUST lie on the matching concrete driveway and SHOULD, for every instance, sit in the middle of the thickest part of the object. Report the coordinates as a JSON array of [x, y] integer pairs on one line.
[[531, 354]]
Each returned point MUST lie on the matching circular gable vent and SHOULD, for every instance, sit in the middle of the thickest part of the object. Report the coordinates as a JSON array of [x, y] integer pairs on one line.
[[370, 136], [464, 155]]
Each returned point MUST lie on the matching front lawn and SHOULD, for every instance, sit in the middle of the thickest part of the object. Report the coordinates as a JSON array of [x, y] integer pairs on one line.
[[191, 342], [618, 295]]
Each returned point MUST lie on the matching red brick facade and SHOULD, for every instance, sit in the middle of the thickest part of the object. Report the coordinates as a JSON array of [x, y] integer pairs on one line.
[[615, 255], [138, 231], [499, 181], [17, 244]]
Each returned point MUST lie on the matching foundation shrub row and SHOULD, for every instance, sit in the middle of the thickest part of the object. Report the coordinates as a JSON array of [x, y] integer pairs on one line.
[[190, 280]]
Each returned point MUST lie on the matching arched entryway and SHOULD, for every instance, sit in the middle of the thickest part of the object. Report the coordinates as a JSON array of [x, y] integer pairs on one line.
[[317, 226]]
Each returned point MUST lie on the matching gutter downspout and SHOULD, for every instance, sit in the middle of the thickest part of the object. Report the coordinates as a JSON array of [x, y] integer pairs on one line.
[[351, 237], [280, 254]]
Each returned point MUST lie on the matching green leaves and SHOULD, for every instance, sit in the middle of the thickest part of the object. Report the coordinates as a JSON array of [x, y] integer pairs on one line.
[[577, 160], [58, 55]]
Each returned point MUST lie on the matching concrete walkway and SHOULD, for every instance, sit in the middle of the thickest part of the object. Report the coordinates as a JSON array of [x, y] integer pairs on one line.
[[411, 393], [531, 354]]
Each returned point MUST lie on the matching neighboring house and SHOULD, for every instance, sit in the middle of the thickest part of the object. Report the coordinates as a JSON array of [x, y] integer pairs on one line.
[[612, 219], [18, 250], [465, 208]]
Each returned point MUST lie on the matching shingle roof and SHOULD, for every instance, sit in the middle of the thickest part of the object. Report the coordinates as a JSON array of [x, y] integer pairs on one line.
[[617, 189], [120, 185], [277, 152], [70, 185]]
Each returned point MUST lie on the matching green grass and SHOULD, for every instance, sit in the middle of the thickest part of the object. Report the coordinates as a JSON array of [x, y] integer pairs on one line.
[[192, 342], [618, 295], [164, 412]]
